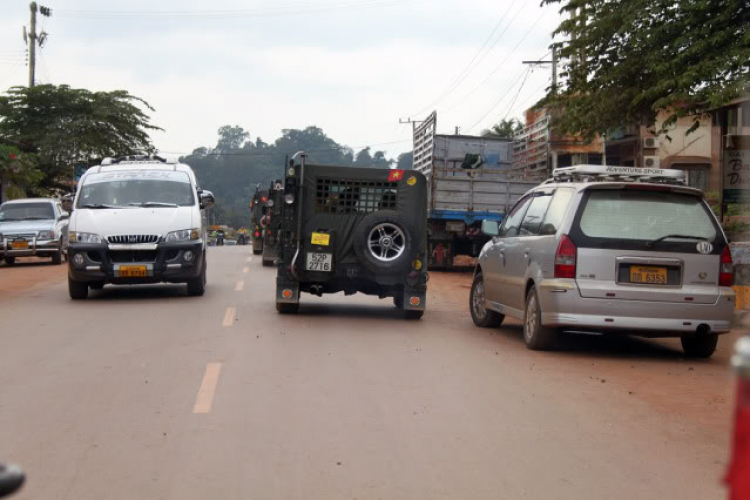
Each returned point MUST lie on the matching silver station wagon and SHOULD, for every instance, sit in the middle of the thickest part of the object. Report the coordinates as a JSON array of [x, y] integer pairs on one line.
[[608, 249]]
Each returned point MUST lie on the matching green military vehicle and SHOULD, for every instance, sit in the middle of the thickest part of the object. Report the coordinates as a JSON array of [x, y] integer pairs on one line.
[[271, 223], [353, 230], [258, 209]]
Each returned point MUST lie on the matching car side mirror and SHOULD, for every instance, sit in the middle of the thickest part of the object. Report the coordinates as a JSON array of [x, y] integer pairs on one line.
[[207, 199], [490, 228]]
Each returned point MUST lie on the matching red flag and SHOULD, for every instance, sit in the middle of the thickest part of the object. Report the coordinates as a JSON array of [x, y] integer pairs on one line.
[[395, 175]]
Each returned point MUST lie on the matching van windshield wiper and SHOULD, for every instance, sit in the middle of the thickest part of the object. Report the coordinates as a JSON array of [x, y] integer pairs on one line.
[[676, 236], [153, 204], [98, 206]]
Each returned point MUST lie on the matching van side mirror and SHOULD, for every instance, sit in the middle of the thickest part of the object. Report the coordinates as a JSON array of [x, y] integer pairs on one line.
[[207, 199], [490, 228]]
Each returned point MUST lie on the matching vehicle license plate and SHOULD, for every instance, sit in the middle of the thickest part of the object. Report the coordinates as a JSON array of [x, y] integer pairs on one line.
[[20, 245], [648, 275], [319, 262], [133, 272]]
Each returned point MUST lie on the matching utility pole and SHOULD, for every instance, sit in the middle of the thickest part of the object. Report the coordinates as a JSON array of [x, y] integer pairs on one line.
[[33, 39], [553, 62]]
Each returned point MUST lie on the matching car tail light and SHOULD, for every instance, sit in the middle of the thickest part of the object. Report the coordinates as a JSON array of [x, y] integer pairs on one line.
[[565, 258], [257, 234], [726, 271]]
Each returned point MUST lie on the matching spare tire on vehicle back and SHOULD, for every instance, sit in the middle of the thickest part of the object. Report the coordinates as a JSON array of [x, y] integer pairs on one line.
[[386, 242]]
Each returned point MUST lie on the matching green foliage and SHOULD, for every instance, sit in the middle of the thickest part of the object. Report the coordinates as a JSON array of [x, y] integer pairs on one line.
[[625, 60], [233, 168], [505, 129], [65, 126], [405, 161], [19, 170]]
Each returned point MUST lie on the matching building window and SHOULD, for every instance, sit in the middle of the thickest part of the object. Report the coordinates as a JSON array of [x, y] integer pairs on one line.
[[746, 114]]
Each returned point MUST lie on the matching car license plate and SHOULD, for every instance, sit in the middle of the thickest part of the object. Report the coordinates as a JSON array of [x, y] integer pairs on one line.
[[132, 271], [648, 275], [20, 245], [319, 262]]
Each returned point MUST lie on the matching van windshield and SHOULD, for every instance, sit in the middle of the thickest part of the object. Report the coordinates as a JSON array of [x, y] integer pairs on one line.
[[646, 216], [136, 189]]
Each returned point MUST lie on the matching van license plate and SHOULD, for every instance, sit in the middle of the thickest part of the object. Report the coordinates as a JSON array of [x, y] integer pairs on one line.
[[648, 275], [132, 272], [19, 245], [319, 262]]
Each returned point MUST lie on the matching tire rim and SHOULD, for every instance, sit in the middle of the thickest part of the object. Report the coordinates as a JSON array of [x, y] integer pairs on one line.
[[387, 242], [477, 300], [531, 317]]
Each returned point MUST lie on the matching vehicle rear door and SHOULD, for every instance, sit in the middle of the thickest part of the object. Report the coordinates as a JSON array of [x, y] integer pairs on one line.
[[647, 243]]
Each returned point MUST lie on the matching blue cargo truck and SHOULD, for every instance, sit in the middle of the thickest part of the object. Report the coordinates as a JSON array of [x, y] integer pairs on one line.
[[467, 183]]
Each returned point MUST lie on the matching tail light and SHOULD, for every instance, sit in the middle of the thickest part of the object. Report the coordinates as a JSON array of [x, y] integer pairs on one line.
[[565, 258], [257, 234], [738, 473], [726, 271]]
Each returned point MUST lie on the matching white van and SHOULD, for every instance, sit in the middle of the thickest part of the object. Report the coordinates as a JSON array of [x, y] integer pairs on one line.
[[137, 219]]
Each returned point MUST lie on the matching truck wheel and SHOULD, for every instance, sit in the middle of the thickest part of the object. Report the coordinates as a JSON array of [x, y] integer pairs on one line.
[[482, 316], [537, 337], [413, 315], [283, 308], [702, 346], [10, 261], [78, 290], [385, 242]]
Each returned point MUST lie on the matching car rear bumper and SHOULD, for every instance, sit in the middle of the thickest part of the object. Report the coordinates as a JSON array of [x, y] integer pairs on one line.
[[165, 262], [565, 308], [36, 247]]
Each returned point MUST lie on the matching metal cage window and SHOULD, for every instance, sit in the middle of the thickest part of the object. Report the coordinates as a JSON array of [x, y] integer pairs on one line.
[[339, 196]]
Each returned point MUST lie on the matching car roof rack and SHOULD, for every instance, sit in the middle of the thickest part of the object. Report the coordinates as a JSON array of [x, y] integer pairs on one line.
[[135, 159], [604, 173]]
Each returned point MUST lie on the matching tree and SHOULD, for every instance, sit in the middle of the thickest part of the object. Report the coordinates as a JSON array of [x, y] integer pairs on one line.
[[505, 129], [626, 60], [66, 126], [18, 171], [405, 161]]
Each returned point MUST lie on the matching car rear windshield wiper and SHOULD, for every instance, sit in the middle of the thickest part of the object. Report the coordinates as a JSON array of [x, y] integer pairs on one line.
[[153, 204], [676, 236], [98, 206]]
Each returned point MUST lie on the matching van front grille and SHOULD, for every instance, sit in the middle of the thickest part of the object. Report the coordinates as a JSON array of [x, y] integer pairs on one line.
[[132, 239]]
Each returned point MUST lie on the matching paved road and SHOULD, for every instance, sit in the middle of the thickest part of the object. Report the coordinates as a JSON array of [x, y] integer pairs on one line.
[[144, 392]]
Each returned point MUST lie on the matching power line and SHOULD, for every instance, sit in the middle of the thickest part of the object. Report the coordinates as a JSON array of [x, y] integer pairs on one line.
[[465, 72], [498, 101], [517, 94], [339, 148]]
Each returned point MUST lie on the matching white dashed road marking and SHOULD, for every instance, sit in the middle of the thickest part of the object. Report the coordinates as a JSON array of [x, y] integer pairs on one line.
[[206, 393], [240, 286], [229, 316]]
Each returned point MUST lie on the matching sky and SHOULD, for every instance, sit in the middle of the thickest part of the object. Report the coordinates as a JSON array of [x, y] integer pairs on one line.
[[354, 68]]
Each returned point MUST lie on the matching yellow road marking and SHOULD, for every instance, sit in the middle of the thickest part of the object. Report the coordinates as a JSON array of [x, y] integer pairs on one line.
[[240, 286], [246, 270], [205, 398], [229, 316]]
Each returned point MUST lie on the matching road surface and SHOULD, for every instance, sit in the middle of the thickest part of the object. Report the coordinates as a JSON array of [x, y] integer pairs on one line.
[[144, 392]]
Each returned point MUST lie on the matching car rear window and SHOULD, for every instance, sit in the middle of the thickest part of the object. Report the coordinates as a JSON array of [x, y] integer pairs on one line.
[[644, 216]]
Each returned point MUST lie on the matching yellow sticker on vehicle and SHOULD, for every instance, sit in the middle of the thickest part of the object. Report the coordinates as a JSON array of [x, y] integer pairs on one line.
[[411, 181], [321, 239]]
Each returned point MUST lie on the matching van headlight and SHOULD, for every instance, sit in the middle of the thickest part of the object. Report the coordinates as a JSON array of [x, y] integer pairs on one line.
[[90, 238], [46, 235], [182, 235]]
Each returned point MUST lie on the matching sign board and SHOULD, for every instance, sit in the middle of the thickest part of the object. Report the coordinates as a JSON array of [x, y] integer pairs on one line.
[[737, 176]]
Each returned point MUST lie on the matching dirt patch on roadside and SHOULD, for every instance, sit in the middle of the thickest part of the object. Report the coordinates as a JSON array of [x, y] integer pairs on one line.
[[29, 274]]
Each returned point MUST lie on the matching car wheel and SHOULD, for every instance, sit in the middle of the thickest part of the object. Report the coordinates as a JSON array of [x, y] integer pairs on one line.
[[97, 285], [537, 337], [385, 242], [482, 316], [197, 286], [10, 260], [700, 346], [78, 290], [57, 256], [283, 308]]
